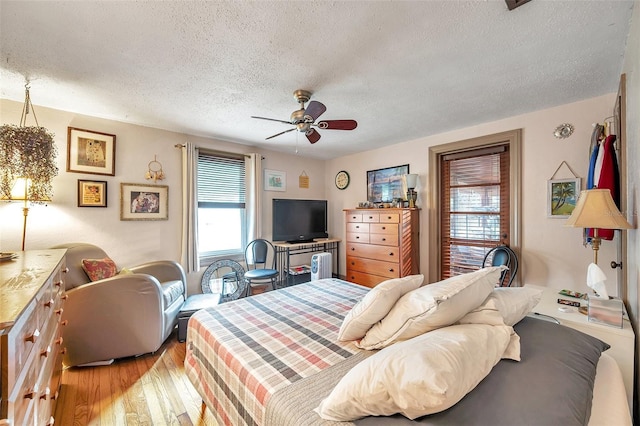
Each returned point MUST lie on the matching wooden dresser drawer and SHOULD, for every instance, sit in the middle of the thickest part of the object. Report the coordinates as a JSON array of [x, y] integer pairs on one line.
[[354, 217], [389, 254], [370, 217], [362, 278], [384, 239], [358, 227], [384, 228], [375, 267], [389, 218], [357, 237]]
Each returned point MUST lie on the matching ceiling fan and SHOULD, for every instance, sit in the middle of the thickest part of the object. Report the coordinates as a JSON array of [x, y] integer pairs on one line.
[[304, 118]]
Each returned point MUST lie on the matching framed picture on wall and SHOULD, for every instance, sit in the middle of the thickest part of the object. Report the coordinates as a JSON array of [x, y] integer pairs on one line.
[[562, 195], [386, 185], [139, 201], [91, 152], [275, 180], [92, 193]]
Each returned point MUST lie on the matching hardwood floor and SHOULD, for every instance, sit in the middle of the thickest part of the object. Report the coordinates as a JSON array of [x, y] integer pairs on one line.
[[148, 390]]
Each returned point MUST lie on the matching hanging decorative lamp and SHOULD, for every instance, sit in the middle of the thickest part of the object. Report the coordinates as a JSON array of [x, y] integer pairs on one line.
[[27, 158]]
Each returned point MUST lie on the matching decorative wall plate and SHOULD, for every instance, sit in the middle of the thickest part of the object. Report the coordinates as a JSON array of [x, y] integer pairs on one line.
[[563, 131]]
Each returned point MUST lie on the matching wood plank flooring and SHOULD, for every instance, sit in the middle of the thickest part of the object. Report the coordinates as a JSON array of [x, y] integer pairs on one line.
[[148, 390]]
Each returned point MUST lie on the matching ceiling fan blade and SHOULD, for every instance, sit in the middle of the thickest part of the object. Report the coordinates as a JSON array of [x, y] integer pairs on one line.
[[281, 133], [338, 124], [271, 119], [313, 136], [314, 110]]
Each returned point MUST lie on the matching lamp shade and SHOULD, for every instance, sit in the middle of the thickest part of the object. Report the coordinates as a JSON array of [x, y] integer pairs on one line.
[[412, 180], [20, 191], [596, 209]]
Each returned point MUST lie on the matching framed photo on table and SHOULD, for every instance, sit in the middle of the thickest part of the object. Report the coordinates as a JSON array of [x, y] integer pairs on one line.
[[92, 193], [91, 152], [144, 202], [386, 185], [562, 196]]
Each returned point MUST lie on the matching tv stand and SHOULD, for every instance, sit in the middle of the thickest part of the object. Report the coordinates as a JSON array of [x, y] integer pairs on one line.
[[284, 251], [300, 241]]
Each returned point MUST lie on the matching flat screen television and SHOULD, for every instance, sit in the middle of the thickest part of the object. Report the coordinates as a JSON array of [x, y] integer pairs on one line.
[[297, 221]]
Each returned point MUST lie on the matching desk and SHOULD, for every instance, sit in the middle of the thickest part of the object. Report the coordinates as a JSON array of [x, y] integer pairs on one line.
[[284, 251], [622, 340]]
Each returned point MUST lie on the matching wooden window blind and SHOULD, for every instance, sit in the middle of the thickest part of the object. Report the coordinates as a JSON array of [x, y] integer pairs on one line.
[[475, 207]]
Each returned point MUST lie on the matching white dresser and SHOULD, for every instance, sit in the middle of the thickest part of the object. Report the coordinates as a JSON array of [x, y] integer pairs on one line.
[[31, 303], [621, 340]]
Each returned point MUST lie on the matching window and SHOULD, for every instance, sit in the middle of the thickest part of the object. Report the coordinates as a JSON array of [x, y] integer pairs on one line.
[[221, 204], [475, 201], [474, 206]]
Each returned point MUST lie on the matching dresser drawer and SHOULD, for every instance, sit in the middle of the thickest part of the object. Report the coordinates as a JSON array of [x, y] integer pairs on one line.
[[384, 239], [384, 228], [389, 218], [357, 237], [358, 227], [362, 278], [389, 254], [375, 267], [22, 401], [354, 217], [370, 217]]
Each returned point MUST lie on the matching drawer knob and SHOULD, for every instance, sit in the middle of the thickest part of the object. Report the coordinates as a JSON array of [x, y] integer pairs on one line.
[[370, 217], [59, 341], [30, 395], [45, 393], [58, 283], [353, 248], [55, 396], [65, 297], [353, 263], [33, 337], [63, 351], [65, 270], [384, 239], [46, 352], [384, 227], [65, 322], [391, 254], [357, 237], [391, 270], [389, 217], [59, 311], [48, 303]]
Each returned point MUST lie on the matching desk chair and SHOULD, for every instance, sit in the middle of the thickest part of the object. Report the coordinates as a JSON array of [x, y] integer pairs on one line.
[[260, 260]]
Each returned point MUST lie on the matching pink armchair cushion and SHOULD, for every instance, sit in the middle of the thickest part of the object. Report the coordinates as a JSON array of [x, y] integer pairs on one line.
[[99, 269]]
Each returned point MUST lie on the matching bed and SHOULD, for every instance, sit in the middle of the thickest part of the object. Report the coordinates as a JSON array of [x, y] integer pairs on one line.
[[270, 360]]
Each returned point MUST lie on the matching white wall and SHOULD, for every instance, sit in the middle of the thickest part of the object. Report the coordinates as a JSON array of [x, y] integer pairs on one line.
[[129, 242], [552, 255]]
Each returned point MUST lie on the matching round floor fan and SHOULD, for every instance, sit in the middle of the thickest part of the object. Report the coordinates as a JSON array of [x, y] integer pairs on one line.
[[304, 118]]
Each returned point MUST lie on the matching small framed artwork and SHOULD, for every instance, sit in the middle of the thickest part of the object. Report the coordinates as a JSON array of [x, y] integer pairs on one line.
[[139, 201], [386, 185], [562, 195], [92, 193], [91, 152], [275, 180]]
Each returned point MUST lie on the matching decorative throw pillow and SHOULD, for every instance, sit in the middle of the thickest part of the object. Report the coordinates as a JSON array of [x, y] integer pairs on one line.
[[99, 269], [421, 376], [375, 305], [432, 306]]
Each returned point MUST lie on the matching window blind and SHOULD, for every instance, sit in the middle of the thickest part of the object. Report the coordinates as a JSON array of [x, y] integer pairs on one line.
[[221, 181], [475, 207]]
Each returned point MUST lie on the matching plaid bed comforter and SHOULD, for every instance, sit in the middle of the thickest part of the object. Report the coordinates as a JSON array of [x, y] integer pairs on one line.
[[239, 353]]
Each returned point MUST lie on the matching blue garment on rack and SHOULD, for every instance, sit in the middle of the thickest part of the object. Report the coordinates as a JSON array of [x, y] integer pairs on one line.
[[592, 167]]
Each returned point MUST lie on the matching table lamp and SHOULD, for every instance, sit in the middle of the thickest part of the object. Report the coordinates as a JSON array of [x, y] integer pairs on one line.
[[411, 181]]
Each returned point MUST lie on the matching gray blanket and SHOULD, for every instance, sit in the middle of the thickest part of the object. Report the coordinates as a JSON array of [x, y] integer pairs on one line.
[[552, 385]]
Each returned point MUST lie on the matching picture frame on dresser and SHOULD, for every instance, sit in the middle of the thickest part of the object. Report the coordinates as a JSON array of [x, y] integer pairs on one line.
[[386, 185], [91, 152]]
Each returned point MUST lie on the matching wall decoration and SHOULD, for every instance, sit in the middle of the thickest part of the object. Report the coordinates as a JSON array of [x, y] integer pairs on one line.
[[275, 180], [154, 170], [92, 193], [139, 201], [386, 185], [303, 180], [562, 197], [563, 131], [91, 152]]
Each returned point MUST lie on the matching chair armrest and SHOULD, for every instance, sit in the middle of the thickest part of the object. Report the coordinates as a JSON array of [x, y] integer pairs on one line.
[[113, 318], [163, 270]]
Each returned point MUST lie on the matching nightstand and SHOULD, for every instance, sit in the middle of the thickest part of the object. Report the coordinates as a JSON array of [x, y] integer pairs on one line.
[[622, 340]]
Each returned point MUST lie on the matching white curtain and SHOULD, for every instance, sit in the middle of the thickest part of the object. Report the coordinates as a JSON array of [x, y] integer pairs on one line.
[[253, 172], [189, 253]]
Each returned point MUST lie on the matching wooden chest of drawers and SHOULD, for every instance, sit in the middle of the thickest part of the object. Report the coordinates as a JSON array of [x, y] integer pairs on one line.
[[31, 304], [382, 244]]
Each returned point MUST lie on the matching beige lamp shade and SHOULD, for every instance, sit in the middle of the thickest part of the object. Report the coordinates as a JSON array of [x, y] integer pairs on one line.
[[596, 209], [412, 180], [19, 191]]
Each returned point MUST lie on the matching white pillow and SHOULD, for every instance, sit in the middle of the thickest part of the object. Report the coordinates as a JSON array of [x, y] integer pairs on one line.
[[375, 305], [432, 306], [488, 314], [417, 377], [514, 303]]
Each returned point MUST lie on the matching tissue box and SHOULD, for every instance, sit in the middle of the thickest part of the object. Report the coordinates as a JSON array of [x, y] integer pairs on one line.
[[605, 311]]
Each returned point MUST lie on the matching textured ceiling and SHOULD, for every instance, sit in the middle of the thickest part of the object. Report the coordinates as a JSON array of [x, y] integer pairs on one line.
[[403, 70]]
